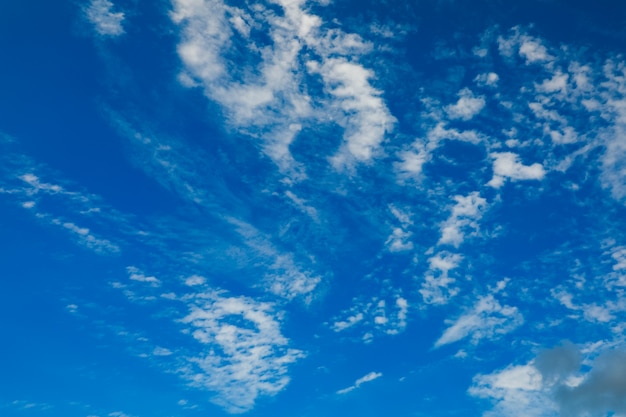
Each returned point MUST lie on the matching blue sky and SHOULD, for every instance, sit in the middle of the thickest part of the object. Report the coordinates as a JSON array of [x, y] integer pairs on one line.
[[313, 208]]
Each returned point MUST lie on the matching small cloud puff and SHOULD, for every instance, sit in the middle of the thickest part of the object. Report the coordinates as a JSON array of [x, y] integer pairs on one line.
[[466, 107], [508, 165]]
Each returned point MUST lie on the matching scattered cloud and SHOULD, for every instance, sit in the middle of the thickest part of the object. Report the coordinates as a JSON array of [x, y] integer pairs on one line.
[[374, 316], [245, 355], [526, 46]]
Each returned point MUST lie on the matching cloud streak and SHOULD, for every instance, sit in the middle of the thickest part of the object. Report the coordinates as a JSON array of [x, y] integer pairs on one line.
[[357, 384]]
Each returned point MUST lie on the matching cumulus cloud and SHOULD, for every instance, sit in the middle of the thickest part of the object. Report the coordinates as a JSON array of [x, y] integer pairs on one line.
[[106, 22], [467, 106], [357, 384], [508, 165], [246, 356], [528, 47], [487, 319], [515, 391]]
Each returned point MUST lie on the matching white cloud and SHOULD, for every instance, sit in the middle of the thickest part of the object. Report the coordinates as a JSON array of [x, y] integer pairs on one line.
[[533, 50], [365, 118], [528, 47], [487, 319], [357, 384], [467, 106], [339, 326], [195, 280], [136, 275], [413, 158], [490, 79], [106, 22], [508, 165], [161, 351], [619, 255], [558, 83], [592, 312], [269, 100], [465, 214], [303, 206], [245, 354], [85, 237], [437, 287], [412, 161], [515, 391], [399, 241]]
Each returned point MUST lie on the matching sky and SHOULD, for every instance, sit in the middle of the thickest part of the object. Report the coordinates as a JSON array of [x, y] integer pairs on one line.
[[313, 208]]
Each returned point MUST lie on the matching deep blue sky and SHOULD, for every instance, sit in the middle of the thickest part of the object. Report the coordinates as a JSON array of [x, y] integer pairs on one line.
[[312, 208]]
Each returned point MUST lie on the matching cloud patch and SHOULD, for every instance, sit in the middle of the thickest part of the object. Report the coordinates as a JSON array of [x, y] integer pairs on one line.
[[466, 107], [487, 319], [106, 22], [245, 356], [508, 165]]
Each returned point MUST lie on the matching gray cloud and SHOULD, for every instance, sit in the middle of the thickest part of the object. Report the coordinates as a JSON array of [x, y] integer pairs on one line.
[[557, 363], [601, 391]]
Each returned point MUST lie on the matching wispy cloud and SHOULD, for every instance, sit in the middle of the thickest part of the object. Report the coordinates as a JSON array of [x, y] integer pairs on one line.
[[487, 319], [357, 384], [106, 21]]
